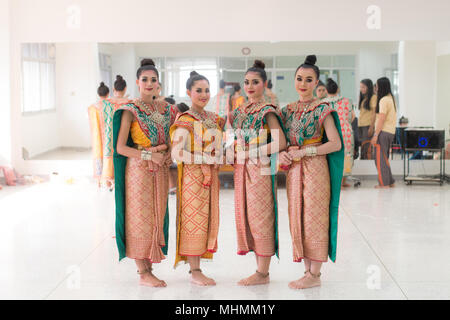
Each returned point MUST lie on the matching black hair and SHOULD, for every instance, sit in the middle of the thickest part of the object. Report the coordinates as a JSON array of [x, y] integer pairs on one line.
[[194, 77], [269, 84], [147, 64], [321, 84], [170, 99], [222, 84], [102, 90], [310, 63], [369, 84], [182, 107], [236, 88], [120, 84], [332, 86], [258, 67], [384, 89]]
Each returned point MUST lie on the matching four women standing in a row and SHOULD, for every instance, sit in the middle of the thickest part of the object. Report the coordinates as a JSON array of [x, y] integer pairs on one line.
[[314, 161]]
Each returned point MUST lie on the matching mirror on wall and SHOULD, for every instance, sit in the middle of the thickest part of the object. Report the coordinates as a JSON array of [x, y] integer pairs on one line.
[[60, 81]]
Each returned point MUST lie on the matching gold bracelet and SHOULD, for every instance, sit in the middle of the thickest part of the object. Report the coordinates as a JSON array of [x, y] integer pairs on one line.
[[146, 155], [311, 151]]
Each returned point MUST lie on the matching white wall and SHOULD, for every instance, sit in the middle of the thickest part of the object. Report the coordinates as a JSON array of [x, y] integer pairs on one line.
[[375, 58], [77, 79], [5, 109], [40, 133], [283, 20], [417, 83]]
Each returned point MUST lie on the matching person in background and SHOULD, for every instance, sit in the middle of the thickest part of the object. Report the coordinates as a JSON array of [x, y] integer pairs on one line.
[[120, 90], [270, 96], [366, 121], [221, 101], [386, 119], [237, 99], [344, 108], [173, 174], [100, 120], [321, 91]]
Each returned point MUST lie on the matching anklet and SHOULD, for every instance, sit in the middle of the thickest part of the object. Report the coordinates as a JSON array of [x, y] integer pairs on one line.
[[199, 270], [315, 275], [262, 274], [143, 272]]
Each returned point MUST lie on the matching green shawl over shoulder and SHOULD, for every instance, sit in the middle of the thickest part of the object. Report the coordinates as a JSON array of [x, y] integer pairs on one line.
[[120, 163], [336, 167]]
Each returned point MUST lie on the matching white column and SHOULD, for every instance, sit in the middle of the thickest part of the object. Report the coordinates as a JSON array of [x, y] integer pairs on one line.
[[417, 87]]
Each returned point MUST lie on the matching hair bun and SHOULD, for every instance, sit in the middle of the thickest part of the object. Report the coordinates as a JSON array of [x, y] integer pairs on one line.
[[329, 80], [147, 62], [311, 60], [193, 73], [102, 84], [119, 77], [259, 64]]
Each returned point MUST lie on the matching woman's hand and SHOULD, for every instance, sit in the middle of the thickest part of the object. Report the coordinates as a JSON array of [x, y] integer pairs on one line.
[[296, 154], [285, 159], [168, 159], [374, 140], [158, 158]]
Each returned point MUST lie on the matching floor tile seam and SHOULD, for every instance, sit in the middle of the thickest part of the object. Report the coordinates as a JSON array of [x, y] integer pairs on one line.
[[80, 264], [374, 252]]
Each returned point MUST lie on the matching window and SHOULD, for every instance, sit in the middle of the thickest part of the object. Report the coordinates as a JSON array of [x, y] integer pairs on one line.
[[279, 69], [179, 69], [38, 77], [105, 70]]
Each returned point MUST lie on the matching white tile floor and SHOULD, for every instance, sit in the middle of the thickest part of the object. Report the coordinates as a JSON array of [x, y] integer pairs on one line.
[[57, 243]]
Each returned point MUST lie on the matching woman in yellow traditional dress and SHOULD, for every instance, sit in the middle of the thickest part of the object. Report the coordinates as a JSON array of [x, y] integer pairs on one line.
[[141, 167], [100, 119], [196, 138], [258, 127], [315, 166]]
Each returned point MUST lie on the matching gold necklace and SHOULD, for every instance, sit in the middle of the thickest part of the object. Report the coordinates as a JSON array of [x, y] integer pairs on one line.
[[146, 107]]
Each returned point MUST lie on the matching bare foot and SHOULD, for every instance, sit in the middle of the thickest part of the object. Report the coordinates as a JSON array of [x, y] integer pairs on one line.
[[392, 185], [307, 281], [345, 185], [381, 187], [148, 279], [255, 279], [198, 278]]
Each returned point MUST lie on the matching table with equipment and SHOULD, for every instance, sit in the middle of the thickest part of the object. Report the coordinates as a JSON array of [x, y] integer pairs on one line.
[[420, 139]]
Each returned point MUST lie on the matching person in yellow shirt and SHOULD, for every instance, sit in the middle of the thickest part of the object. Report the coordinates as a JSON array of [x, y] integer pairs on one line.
[[386, 118], [366, 121]]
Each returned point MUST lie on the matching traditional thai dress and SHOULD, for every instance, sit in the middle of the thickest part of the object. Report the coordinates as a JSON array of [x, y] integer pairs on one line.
[[313, 183], [255, 185], [198, 188], [344, 107], [101, 123], [142, 217]]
